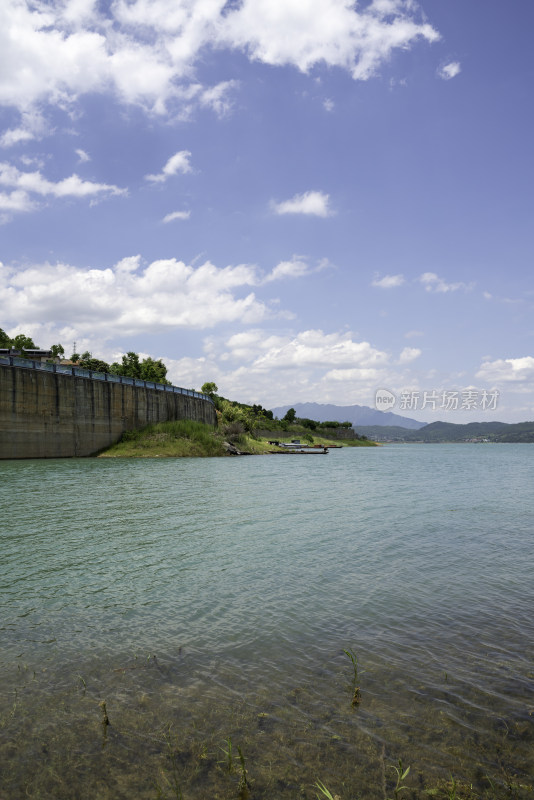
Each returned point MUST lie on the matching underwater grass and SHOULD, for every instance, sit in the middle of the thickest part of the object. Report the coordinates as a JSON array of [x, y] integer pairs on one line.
[[161, 734]]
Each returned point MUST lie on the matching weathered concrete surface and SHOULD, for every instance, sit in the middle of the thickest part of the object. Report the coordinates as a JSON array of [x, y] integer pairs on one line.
[[49, 415]]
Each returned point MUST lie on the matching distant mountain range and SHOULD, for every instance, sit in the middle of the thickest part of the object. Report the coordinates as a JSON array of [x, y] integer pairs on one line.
[[384, 426], [357, 415], [451, 432]]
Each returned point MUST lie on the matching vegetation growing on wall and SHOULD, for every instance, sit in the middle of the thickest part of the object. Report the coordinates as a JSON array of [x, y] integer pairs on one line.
[[240, 417], [130, 366]]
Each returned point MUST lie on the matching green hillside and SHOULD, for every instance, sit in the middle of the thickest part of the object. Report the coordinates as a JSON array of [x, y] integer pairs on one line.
[[450, 432]]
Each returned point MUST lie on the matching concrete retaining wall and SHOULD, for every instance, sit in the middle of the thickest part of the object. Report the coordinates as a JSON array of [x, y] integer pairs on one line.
[[49, 415]]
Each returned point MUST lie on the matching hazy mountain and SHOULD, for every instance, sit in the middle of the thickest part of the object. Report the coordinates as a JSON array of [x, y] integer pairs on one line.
[[358, 415], [453, 432]]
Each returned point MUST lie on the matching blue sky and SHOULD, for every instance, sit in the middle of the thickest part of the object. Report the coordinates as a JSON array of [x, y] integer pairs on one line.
[[302, 200]]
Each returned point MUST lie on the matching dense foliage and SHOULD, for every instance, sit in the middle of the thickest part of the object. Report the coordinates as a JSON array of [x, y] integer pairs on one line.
[[236, 419], [130, 366]]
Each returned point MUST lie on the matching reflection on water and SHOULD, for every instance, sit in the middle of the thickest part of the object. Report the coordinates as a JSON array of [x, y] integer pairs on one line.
[[208, 603]]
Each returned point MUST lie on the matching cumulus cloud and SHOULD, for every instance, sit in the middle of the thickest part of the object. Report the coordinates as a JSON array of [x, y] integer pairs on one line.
[[145, 52], [312, 203], [304, 33], [130, 298], [409, 354], [260, 365], [313, 348], [352, 375], [83, 157], [14, 202], [176, 165], [515, 370], [388, 281], [451, 70], [247, 346], [433, 283]]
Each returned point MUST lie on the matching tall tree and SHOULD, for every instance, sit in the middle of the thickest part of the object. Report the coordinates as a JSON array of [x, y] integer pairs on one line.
[[86, 361], [152, 370], [290, 415], [210, 388], [148, 369], [23, 342], [57, 350], [130, 366]]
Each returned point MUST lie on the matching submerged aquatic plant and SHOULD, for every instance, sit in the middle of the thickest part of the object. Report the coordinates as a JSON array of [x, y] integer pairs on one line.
[[401, 775], [325, 792], [173, 780], [354, 658], [244, 782], [229, 757], [103, 708], [357, 696]]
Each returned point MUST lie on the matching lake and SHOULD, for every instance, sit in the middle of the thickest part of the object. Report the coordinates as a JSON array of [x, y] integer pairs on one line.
[[203, 608]]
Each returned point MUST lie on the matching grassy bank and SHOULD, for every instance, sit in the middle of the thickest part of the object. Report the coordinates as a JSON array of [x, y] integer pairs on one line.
[[185, 438], [180, 438]]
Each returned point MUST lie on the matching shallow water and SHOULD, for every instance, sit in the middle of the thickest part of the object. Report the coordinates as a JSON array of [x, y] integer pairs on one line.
[[207, 600]]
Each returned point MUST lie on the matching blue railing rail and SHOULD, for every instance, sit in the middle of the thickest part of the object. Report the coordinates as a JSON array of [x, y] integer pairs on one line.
[[78, 372]]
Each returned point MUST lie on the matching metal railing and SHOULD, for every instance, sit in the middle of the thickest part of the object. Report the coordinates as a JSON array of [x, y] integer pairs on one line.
[[78, 372]]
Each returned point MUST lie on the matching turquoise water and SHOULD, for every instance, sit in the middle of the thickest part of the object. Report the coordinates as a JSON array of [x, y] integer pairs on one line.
[[212, 599]]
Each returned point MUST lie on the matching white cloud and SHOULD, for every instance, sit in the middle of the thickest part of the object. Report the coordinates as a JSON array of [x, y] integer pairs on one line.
[[451, 70], [218, 97], [33, 126], [248, 345], [145, 51], [328, 104], [515, 370], [297, 267], [16, 201], [176, 215], [312, 203], [176, 165], [304, 33], [129, 298], [26, 186], [35, 183], [433, 283], [409, 354], [413, 334], [389, 281], [15, 136], [313, 348], [352, 375], [314, 364], [83, 157]]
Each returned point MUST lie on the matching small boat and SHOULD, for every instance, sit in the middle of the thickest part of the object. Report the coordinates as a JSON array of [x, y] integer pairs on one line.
[[302, 451]]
